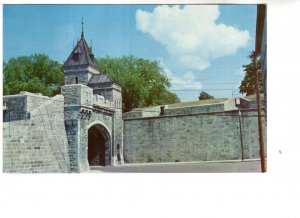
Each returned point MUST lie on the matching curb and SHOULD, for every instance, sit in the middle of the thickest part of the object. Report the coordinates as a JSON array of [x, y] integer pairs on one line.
[[194, 162]]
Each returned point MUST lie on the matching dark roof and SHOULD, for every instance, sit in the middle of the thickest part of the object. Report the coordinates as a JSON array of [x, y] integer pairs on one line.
[[81, 55], [100, 78]]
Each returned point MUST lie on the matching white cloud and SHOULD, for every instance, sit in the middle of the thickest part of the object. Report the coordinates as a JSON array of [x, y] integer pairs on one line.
[[190, 33], [187, 81]]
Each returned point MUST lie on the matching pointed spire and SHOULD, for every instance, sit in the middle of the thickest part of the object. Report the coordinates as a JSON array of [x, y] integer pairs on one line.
[[91, 45], [81, 56], [82, 27]]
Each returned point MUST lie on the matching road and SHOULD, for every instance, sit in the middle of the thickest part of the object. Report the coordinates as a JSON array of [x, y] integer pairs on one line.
[[248, 166]]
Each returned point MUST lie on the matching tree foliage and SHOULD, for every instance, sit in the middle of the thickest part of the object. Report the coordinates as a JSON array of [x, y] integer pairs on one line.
[[204, 95], [248, 83], [36, 73], [143, 81]]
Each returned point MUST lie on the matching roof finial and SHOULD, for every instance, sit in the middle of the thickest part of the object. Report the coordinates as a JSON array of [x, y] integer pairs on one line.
[[91, 45], [82, 26]]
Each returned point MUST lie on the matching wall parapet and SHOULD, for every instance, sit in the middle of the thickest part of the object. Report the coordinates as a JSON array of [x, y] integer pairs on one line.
[[78, 94], [19, 106], [163, 111], [195, 109], [192, 114]]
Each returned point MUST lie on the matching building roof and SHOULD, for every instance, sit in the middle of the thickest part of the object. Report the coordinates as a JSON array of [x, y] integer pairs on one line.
[[81, 55], [100, 78]]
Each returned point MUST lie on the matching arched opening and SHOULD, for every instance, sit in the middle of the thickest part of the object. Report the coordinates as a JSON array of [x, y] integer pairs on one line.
[[98, 146]]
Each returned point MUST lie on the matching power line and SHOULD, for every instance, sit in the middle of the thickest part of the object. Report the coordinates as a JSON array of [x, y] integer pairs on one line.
[[202, 89], [229, 83]]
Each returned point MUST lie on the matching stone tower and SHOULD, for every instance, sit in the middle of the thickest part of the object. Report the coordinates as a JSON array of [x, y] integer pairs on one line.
[[93, 111], [81, 68]]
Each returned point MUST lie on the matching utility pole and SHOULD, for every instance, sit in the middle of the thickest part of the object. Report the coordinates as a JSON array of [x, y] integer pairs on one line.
[[241, 135], [260, 129]]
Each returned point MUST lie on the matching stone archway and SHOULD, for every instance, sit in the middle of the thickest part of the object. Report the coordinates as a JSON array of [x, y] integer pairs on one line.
[[99, 146]]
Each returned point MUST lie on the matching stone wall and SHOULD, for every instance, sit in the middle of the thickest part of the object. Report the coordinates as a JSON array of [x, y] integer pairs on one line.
[[118, 137], [110, 91], [83, 76], [143, 112], [191, 137], [35, 143], [18, 107]]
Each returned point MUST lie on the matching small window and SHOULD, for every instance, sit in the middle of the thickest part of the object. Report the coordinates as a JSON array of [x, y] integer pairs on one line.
[[76, 80]]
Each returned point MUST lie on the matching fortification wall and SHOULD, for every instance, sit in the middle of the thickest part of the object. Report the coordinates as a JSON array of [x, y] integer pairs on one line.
[[37, 142], [191, 137]]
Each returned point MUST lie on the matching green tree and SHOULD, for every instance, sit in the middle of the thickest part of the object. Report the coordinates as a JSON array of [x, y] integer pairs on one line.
[[36, 73], [204, 95], [143, 81], [248, 83]]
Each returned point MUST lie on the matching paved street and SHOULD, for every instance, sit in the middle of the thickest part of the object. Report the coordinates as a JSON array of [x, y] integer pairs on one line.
[[248, 166]]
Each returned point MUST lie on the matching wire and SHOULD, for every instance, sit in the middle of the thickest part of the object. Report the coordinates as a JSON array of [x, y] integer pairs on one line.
[[185, 90], [229, 83]]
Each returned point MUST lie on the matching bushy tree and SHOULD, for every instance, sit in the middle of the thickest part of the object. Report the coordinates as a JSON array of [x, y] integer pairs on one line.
[[143, 81], [248, 83], [204, 95], [36, 73]]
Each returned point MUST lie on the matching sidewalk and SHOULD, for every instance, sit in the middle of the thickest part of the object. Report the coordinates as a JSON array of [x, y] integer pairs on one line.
[[231, 166]]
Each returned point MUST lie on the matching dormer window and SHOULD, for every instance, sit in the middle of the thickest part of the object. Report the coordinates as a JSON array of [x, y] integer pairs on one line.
[[76, 54]]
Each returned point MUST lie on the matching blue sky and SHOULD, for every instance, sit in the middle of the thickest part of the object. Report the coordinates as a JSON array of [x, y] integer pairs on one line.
[[199, 47]]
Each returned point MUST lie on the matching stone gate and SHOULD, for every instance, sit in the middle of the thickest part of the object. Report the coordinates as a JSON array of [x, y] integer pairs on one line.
[[93, 112]]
